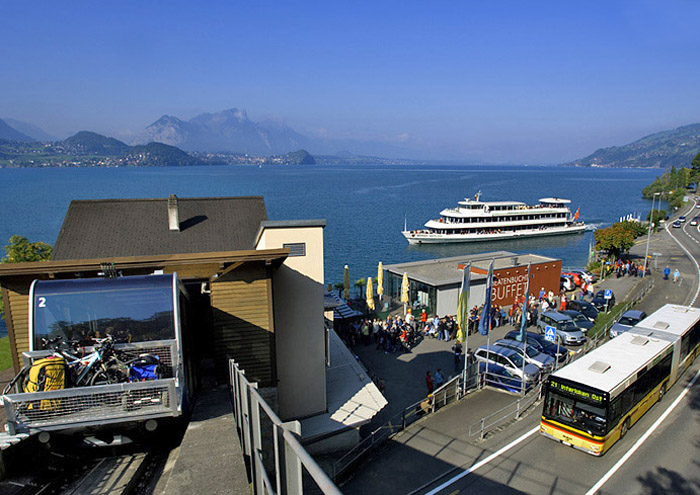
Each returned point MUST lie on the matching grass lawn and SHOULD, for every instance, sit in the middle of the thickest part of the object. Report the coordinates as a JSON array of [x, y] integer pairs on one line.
[[5, 356], [605, 318]]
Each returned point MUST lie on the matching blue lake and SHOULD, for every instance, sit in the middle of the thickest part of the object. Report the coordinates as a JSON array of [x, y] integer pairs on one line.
[[364, 205]]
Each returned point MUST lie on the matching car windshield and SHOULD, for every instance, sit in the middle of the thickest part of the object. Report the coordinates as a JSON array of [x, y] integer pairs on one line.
[[516, 359], [568, 326], [576, 413], [580, 318], [532, 352], [628, 320]]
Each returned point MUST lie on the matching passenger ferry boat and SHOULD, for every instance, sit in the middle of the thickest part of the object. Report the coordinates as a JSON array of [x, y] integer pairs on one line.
[[475, 220]]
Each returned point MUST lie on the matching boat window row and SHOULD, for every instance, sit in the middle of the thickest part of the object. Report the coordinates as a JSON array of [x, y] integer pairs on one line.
[[496, 231], [512, 218]]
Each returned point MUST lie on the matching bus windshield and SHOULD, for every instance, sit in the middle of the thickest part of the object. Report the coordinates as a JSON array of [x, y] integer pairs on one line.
[[576, 413]]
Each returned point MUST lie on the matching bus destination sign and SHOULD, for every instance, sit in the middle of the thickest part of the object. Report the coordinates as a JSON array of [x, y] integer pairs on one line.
[[575, 391]]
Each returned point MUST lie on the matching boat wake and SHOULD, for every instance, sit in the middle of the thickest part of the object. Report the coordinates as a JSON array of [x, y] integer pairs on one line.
[[594, 226]]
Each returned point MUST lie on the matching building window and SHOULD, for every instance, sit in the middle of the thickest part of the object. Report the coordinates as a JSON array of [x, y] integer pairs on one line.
[[296, 248]]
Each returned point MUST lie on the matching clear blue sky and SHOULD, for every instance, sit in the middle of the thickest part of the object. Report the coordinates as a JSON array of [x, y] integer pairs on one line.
[[503, 81]]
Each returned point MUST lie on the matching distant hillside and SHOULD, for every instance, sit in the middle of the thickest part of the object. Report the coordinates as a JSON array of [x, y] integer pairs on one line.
[[665, 149], [88, 149], [162, 155], [92, 143], [30, 130], [10, 134]]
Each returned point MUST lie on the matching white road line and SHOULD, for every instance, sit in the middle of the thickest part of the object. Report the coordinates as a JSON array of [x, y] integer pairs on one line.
[[692, 258], [483, 462], [643, 438]]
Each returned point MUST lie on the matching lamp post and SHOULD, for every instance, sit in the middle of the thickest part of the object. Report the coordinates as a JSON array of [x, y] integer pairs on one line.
[[651, 223]]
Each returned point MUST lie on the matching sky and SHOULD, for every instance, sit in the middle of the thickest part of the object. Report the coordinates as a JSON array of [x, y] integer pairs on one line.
[[493, 82]]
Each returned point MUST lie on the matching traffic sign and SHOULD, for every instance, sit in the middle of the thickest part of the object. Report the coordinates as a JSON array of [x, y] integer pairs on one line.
[[550, 333], [608, 293]]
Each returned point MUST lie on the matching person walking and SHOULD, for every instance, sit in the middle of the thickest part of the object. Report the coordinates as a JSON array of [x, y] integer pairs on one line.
[[429, 382], [439, 379], [667, 272], [676, 275]]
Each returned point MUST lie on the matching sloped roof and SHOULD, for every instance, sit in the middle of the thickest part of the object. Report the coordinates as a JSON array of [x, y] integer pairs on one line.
[[139, 227]]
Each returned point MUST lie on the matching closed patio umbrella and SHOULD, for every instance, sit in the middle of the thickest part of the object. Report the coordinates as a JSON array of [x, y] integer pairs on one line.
[[404, 291], [370, 295], [380, 280], [346, 283]]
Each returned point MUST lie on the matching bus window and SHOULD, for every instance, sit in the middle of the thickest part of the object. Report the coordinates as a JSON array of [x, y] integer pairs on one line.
[[576, 413]]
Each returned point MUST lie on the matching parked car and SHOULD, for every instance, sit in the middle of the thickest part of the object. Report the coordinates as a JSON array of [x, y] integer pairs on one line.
[[499, 377], [626, 322], [567, 283], [580, 320], [585, 275], [543, 362], [583, 307], [509, 359], [541, 344], [601, 303], [566, 331], [676, 225], [575, 277]]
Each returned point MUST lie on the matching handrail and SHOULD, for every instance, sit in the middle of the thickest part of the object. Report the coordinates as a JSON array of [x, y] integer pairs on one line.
[[319, 476]]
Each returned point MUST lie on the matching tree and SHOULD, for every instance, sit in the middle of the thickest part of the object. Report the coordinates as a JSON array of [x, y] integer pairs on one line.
[[20, 249], [360, 283], [618, 238], [695, 164]]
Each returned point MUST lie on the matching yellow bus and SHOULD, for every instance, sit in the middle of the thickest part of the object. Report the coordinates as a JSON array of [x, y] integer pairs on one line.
[[592, 402]]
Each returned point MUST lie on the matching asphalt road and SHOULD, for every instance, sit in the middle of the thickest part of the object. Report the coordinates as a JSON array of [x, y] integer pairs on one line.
[[658, 456]]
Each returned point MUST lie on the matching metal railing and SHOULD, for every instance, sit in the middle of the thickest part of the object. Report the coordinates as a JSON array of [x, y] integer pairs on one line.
[[451, 391], [278, 462], [603, 334], [96, 405], [505, 414]]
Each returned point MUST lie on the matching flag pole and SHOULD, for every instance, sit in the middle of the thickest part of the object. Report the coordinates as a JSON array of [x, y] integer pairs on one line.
[[523, 327]]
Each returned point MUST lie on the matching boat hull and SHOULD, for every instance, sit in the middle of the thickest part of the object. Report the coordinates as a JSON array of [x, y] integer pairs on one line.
[[418, 237]]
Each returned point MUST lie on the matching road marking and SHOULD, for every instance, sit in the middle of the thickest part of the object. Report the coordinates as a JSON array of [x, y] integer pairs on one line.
[[483, 462], [692, 258], [643, 438]]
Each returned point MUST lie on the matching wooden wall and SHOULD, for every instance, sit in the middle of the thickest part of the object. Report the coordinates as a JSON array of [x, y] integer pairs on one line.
[[16, 298], [243, 321]]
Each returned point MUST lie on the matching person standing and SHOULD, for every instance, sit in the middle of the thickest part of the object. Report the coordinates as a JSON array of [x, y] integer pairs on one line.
[[423, 317], [667, 272], [676, 275], [439, 379], [457, 349], [429, 382]]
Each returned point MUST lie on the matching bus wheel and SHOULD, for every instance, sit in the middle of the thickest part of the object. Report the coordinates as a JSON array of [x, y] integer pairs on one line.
[[662, 392], [625, 427]]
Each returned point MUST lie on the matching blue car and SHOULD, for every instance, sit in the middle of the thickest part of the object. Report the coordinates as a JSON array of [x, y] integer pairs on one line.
[[541, 344], [499, 377]]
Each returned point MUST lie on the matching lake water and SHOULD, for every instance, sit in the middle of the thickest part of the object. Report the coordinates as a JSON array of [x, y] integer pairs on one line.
[[364, 205]]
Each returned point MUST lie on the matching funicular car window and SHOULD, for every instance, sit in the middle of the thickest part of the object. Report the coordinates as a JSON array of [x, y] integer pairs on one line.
[[130, 309]]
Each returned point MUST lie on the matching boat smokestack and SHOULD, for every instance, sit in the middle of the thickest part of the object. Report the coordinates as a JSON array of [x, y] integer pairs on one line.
[[173, 214]]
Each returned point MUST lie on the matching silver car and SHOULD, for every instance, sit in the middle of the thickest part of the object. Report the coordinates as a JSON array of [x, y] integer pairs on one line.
[[626, 322], [566, 331], [544, 362]]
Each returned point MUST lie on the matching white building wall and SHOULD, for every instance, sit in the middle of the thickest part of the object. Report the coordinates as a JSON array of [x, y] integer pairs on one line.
[[297, 288], [448, 298]]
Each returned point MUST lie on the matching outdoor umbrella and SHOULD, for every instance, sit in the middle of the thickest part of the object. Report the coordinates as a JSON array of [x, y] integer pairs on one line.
[[370, 295], [346, 284], [404, 289], [380, 279]]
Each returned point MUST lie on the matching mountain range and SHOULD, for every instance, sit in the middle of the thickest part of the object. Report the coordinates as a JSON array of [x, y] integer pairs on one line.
[[676, 147]]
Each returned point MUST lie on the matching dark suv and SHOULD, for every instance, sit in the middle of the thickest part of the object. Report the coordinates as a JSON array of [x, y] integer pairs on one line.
[[541, 344], [601, 303], [583, 307]]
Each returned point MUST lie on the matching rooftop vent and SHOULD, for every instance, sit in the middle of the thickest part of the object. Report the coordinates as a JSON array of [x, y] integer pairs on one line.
[[173, 214], [681, 309], [637, 340], [661, 325], [599, 367], [515, 261]]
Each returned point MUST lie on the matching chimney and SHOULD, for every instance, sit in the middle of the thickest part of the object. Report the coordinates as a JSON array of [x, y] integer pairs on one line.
[[173, 215], [515, 261]]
